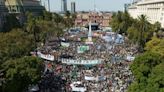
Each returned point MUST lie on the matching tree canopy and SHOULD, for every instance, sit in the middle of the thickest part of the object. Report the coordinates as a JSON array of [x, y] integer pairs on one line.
[[21, 72], [121, 21], [148, 68], [15, 44], [155, 45]]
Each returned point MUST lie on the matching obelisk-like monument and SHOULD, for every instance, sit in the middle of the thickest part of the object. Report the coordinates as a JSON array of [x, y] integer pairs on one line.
[[89, 40], [90, 33]]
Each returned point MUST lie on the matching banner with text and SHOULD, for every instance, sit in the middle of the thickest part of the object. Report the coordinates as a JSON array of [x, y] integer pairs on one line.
[[81, 62]]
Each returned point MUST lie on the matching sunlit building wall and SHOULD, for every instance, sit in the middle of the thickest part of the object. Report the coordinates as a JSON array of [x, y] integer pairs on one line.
[[153, 9]]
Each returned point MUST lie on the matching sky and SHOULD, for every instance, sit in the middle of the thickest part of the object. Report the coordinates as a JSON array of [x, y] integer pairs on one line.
[[88, 5]]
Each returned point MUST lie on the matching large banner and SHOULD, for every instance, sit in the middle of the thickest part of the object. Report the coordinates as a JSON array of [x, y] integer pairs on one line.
[[81, 62], [45, 56], [82, 49]]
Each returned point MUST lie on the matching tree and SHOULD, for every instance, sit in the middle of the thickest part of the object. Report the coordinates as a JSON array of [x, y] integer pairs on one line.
[[121, 21], [57, 19], [157, 26], [11, 22], [69, 20], [141, 31], [144, 68], [21, 72], [47, 16], [32, 28], [155, 45], [143, 25], [15, 44], [133, 34]]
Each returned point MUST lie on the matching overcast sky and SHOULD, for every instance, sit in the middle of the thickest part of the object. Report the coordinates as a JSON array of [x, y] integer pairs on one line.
[[87, 5]]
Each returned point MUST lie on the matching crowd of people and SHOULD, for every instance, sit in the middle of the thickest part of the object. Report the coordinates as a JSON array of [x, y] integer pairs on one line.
[[112, 75]]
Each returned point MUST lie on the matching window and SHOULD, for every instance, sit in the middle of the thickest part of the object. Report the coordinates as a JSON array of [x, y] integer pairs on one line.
[[161, 18]]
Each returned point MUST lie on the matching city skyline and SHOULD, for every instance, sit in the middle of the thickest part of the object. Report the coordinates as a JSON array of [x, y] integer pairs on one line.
[[81, 5]]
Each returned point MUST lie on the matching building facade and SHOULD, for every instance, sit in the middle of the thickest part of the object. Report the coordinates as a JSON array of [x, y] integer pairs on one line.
[[22, 6], [73, 7], [3, 12], [153, 9], [102, 18], [63, 6]]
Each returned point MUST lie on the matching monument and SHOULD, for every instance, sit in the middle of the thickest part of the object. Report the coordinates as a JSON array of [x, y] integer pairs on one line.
[[89, 40]]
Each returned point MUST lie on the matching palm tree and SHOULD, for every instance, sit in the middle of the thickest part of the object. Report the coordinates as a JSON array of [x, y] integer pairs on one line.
[[32, 28], [143, 25], [57, 19]]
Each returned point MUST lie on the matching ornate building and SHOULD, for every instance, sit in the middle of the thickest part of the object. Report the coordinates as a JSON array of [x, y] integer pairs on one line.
[[102, 18]]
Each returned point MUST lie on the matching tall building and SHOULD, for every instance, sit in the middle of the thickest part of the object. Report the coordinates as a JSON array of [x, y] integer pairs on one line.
[[22, 6], [73, 7], [3, 12], [153, 9], [63, 5]]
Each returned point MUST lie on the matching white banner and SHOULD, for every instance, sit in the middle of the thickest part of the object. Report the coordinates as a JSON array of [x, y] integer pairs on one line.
[[81, 62], [90, 78], [45, 56]]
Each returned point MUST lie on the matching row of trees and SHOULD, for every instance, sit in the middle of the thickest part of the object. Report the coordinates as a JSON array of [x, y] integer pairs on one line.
[[17, 68], [139, 30], [48, 25]]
